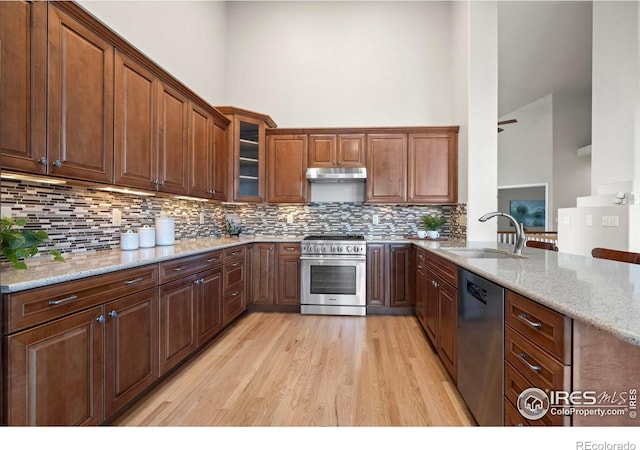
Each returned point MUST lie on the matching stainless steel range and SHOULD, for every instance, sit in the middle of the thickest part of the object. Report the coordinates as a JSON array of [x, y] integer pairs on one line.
[[333, 275]]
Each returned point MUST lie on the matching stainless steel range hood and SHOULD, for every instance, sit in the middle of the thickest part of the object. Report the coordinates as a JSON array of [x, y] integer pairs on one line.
[[336, 174]]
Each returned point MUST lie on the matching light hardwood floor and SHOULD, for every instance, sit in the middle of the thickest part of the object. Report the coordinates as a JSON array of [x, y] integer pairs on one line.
[[276, 369]]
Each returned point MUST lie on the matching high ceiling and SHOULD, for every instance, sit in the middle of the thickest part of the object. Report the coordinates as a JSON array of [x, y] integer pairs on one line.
[[543, 47]]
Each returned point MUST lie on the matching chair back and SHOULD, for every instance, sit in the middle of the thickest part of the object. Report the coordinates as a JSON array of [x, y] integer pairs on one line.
[[542, 245], [616, 255]]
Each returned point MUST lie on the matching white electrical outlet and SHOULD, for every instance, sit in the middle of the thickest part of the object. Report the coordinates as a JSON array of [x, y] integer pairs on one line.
[[5, 211], [566, 221], [201, 218], [289, 218], [610, 221], [375, 219], [116, 218], [589, 220]]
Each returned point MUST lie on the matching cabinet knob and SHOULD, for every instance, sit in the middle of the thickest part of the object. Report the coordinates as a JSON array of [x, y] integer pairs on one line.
[[113, 314], [57, 163], [42, 161], [100, 318]]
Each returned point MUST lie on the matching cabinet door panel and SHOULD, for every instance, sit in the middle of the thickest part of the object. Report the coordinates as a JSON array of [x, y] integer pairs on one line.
[[173, 138], [209, 304], [177, 322], [220, 164], [447, 331], [431, 309], [401, 292], [22, 85], [199, 151], [376, 275], [351, 150], [264, 273], [135, 123], [289, 281], [287, 166], [322, 150], [432, 168], [131, 347], [55, 377], [80, 101], [386, 168]]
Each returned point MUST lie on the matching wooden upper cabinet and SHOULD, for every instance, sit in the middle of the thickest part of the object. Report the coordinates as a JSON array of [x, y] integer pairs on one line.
[[200, 151], [337, 150], [23, 47], [80, 100], [173, 140], [287, 166], [135, 124], [151, 132], [387, 168], [220, 178], [433, 168]]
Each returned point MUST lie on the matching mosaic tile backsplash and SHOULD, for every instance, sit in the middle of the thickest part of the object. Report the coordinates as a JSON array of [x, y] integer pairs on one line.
[[79, 219]]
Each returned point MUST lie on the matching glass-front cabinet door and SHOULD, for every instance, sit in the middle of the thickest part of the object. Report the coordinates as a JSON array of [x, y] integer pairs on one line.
[[247, 141]]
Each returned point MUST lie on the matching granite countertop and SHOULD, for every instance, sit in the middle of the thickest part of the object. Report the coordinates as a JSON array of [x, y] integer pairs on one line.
[[602, 293], [44, 271], [605, 294]]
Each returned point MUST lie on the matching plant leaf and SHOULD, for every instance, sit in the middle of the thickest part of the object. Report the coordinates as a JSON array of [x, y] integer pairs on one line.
[[20, 265]]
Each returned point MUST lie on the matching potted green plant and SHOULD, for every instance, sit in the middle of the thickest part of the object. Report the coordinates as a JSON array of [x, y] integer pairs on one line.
[[432, 224], [17, 243]]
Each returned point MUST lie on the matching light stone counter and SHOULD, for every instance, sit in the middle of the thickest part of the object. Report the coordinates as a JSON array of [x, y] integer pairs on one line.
[[602, 293], [44, 271], [605, 294]]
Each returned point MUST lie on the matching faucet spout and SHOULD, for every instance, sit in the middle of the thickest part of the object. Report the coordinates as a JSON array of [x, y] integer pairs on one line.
[[521, 238]]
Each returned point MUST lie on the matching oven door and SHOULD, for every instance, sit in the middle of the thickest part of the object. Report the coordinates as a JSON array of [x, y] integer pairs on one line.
[[333, 280]]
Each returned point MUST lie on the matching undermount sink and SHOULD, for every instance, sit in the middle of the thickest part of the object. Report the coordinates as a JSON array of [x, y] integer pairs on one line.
[[486, 253]]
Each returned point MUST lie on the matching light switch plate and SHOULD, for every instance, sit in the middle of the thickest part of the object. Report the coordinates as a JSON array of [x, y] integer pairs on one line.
[[610, 221], [589, 220], [5, 211], [375, 219], [566, 221], [289, 218], [116, 218]]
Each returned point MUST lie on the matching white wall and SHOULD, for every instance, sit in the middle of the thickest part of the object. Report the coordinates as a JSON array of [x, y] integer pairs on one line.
[[482, 191], [460, 95], [571, 131], [615, 96], [341, 63], [186, 38]]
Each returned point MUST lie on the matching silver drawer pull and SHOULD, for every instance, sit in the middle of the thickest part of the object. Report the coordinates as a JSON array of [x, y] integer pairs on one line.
[[523, 317], [523, 358], [178, 269], [234, 253], [235, 264], [235, 294], [291, 249], [135, 280], [62, 300], [212, 259], [113, 314]]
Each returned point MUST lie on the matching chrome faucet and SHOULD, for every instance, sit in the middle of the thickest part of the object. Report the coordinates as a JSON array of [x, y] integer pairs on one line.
[[521, 238]]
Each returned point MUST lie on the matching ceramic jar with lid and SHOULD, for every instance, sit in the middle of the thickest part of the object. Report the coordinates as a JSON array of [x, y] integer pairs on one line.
[[129, 241], [165, 231], [147, 236]]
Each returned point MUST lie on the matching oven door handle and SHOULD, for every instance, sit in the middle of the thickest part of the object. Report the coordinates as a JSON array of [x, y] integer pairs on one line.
[[334, 257]]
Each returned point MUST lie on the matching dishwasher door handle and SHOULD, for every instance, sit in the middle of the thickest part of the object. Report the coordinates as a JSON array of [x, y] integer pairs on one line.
[[477, 292]]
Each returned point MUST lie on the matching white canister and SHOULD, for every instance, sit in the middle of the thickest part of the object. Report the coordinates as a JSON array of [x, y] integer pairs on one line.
[[147, 236], [129, 241], [165, 231]]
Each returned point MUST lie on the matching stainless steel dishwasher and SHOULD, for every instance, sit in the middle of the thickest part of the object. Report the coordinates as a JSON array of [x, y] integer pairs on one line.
[[481, 347]]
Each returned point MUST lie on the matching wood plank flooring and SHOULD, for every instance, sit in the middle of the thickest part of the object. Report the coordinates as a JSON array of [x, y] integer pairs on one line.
[[277, 369]]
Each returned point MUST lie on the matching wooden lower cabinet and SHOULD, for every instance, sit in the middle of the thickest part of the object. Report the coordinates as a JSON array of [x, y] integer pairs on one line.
[[376, 275], [420, 286], [131, 348], [263, 275], [288, 274], [209, 304], [448, 328], [400, 276], [55, 376], [177, 321]]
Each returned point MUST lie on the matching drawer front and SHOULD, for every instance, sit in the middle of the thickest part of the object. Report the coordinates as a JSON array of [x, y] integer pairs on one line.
[[514, 385], [421, 256], [512, 417], [36, 306], [181, 267], [233, 305], [445, 269], [234, 275], [234, 253], [547, 328], [542, 370], [289, 248]]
